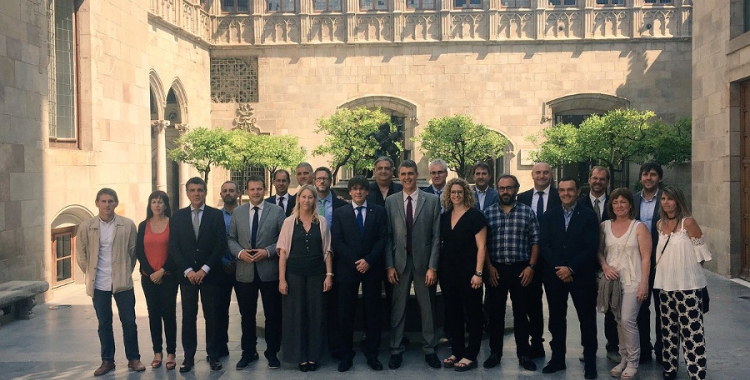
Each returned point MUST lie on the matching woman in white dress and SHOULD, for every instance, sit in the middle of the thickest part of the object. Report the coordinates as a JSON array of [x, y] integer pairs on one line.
[[625, 258], [680, 255]]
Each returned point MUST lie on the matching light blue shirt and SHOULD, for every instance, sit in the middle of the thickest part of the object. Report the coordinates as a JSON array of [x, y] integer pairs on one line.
[[647, 208], [568, 213], [329, 207]]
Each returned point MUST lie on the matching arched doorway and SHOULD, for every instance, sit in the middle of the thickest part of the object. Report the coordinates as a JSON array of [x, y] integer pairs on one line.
[[63, 259]]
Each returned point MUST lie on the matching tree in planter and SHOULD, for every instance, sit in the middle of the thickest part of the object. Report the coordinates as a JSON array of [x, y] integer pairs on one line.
[[204, 149], [613, 138], [351, 137], [460, 142], [274, 152]]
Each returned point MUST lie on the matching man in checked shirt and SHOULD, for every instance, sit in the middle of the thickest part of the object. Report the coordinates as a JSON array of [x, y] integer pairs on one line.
[[512, 253]]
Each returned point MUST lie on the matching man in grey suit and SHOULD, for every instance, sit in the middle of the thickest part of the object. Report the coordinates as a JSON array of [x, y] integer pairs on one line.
[[412, 254], [253, 233]]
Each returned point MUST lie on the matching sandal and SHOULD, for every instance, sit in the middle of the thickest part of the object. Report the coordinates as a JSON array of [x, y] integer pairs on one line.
[[450, 361], [156, 363], [171, 362], [617, 370], [629, 372], [463, 366]]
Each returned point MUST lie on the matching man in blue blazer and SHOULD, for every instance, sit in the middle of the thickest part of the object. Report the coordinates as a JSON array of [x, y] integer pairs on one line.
[[253, 232], [282, 198], [358, 236], [483, 193], [569, 241], [412, 255], [197, 241]]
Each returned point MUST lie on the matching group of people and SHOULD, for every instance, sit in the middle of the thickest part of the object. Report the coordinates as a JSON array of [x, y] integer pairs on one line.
[[310, 254]]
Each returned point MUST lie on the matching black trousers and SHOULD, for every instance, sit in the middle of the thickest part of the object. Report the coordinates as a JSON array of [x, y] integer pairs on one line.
[[463, 307], [521, 297], [247, 299], [161, 301], [347, 303], [534, 306], [209, 294], [583, 294], [226, 284]]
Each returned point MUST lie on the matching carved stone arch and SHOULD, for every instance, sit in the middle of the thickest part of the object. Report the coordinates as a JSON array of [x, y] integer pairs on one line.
[[402, 106], [503, 164], [70, 216], [182, 100], [582, 103], [157, 91]]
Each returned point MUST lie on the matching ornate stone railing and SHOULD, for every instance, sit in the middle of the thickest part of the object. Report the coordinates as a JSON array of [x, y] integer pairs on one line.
[[493, 23]]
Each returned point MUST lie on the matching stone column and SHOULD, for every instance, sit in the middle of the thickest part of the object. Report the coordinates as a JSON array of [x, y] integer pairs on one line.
[[184, 171], [159, 129]]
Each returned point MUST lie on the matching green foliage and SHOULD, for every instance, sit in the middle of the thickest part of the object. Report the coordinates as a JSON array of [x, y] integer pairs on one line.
[[275, 152], [460, 142], [350, 137], [615, 137], [205, 148]]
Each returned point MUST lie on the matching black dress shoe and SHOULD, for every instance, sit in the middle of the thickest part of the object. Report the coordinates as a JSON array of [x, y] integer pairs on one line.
[[246, 359], [312, 366], [432, 360], [215, 364], [345, 365], [589, 373], [395, 361], [273, 362], [375, 364], [186, 366], [492, 361], [526, 363], [553, 367], [537, 352], [303, 367]]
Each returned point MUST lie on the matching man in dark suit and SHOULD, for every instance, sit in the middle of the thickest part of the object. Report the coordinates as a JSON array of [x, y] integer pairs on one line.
[[438, 174], [412, 255], [597, 200], [253, 233], [327, 202], [282, 198], [542, 196], [229, 196], [197, 240], [483, 193], [383, 185], [647, 204], [569, 241], [358, 237]]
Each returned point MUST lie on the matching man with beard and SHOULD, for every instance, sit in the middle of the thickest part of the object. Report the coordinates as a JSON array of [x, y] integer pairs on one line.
[[483, 193], [229, 195], [384, 185], [512, 254]]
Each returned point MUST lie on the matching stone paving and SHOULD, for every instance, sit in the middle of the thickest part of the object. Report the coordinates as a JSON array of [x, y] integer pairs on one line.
[[60, 342]]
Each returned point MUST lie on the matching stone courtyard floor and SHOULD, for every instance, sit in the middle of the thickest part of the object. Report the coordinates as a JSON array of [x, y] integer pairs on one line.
[[60, 342]]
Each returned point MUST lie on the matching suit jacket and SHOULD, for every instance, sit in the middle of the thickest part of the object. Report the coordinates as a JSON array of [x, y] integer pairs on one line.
[[585, 201], [289, 206], [553, 198], [187, 252], [425, 233], [491, 197], [575, 247], [269, 226], [654, 221], [350, 246], [123, 252], [375, 197]]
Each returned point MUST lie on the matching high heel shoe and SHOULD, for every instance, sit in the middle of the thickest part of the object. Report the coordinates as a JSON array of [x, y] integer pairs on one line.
[[669, 375], [629, 373], [156, 363], [616, 371], [171, 362]]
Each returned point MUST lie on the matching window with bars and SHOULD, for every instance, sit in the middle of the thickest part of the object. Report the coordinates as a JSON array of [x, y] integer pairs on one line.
[[234, 80], [567, 3], [516, 3], [610, 2], [327, 5], [379, 5], [63, 124], [467, 3], [63, 255], [234, 6], [240, 177], [420, 4], [281, 5], [657, 2]]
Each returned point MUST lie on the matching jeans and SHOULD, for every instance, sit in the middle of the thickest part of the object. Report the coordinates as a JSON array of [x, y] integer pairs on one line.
[[126, 309]]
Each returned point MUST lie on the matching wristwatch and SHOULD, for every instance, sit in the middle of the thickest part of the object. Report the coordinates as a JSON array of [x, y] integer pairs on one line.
[[532, 266], [478, 273]]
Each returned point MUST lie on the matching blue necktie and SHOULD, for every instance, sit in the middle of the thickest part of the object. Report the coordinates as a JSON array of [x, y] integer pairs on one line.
[[254, 228], [360, 220], [540, 205]]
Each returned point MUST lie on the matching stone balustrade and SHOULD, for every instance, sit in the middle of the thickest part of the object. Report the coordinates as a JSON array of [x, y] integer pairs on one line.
[[493, 22]]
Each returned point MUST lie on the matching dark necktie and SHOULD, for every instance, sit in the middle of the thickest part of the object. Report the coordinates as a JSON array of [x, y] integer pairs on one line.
[[281, 202], [540, 205], [254, 228], [409, 224], [360, 220], [598, 210]]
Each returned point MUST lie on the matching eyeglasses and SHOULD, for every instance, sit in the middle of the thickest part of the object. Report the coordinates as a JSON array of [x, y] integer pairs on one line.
[[506, 188], [320, 179]]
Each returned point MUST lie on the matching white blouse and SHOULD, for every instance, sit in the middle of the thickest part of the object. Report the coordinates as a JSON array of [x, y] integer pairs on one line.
[[624, 255], [678, 266]]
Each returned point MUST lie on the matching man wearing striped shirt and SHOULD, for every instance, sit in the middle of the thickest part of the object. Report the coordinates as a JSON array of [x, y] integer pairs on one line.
[[513, 250]]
